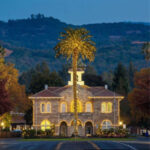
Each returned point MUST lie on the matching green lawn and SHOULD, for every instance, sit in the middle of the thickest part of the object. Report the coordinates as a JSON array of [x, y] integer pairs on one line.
[[80, 139]]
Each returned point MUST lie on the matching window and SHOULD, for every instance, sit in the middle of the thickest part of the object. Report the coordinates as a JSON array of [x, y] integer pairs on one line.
[[79, 106], [109, 107], [48, 107], [103, 107], [43, 108], [106, 107], [106, 124], [63, 107], [88, 107], [45, 125]]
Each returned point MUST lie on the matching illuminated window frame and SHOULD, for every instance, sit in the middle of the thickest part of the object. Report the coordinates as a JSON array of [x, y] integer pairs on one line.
[[47, 107], [61, 110], [109, 104], [91, 109], [42, 107], [106, 127], [45, 125], [105, 107], [79, 107]]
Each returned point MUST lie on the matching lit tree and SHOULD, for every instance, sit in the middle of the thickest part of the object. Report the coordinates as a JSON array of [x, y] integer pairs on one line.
[[146, 50], [75, 43]]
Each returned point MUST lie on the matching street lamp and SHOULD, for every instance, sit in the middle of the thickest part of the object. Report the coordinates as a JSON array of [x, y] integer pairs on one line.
[[2, 124], [120, 123]]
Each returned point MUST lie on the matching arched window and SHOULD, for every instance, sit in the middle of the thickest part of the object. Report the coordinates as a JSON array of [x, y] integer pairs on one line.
[[109, 107], [48, 107], [45, 125], [63, 107], [79, 106], [103, 107], [106, 124], [88, 107], [42, 107]]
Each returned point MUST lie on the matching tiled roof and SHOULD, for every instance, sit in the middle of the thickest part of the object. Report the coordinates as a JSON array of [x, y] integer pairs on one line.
[[46, 93], [18, 119], [98, 91]]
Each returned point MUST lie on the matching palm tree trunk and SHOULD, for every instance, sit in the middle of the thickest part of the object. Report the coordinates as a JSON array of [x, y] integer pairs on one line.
[[75, 57]]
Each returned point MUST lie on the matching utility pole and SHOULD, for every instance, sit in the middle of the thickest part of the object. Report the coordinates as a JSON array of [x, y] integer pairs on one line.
[[114, 107]]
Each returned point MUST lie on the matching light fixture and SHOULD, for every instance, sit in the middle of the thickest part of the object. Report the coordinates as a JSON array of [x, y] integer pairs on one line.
[[120, 123]]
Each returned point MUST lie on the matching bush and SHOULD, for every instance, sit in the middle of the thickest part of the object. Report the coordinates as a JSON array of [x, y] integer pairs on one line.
[[112, 132], [40, 133], [29, 133]]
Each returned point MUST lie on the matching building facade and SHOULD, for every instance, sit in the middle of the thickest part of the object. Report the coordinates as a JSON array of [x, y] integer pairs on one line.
[[97, 107]]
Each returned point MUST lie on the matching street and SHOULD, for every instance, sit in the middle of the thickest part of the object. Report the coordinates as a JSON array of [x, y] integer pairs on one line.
[[17, 144]]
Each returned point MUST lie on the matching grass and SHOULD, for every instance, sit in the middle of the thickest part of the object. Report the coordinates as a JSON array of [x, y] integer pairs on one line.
[[80, 139]]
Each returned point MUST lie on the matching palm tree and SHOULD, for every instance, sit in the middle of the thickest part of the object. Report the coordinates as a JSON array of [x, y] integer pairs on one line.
[[146, 50], [74, 44]]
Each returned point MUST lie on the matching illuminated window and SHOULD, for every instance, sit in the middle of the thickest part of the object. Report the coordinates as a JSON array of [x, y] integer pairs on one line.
[[43, 108], [48, 107], [88, 107], [79, 106], [103, 107], [106, 107], [63, 107], [45, 125], [109, 107], [106, 124]]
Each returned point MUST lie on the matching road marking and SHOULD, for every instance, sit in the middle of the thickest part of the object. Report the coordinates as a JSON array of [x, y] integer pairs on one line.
[[94, 145], [59, 145], [131, 147], [139, 142]]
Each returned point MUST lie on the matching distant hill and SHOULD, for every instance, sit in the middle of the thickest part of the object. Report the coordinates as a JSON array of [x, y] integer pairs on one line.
[[32, 40]]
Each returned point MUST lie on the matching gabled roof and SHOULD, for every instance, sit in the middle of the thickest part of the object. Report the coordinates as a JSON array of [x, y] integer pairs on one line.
[[54, 92]]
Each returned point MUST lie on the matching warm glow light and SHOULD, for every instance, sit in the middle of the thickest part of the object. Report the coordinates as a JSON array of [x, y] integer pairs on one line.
[[79, 106], [45, 124], [2, 124], [120, 122]]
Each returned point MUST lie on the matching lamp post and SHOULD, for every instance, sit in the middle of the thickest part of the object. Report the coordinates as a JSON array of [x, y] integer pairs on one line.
[[114, 107]]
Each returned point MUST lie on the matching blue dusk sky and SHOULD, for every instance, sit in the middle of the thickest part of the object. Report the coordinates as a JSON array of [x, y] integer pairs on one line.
[[78, 11]]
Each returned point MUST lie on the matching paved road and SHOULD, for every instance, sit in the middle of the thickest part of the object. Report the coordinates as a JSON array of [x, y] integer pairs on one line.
[[125, 145], [21, 145], [13, 144]]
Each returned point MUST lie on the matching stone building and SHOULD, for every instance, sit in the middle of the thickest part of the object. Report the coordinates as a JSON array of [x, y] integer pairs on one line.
[[97, 107]]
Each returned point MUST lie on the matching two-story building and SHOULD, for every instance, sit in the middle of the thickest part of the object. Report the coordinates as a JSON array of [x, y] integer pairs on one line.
[[97, 107]]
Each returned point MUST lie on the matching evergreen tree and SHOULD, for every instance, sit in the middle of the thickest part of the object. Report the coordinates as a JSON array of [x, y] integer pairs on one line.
[[90, 70], [120, 81], [108, 78], [120, 85], [131, 72]]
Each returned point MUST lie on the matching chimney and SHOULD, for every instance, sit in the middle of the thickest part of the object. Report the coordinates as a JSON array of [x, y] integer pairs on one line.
[[106, 86], [46, 87]]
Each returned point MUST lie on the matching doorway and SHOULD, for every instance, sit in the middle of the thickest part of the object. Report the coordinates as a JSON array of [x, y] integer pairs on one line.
[[63, 129], [88, 129]]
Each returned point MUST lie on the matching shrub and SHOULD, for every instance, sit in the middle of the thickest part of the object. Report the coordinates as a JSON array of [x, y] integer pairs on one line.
[[112, 132], [29, 133]]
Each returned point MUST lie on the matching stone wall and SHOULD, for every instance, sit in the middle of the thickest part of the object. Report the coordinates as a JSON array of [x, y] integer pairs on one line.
[[56, 117]]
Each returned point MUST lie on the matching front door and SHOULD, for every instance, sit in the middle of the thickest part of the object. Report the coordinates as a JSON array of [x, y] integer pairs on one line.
[[63, 129], [88, 129]]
